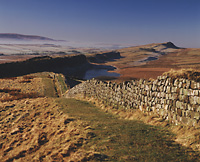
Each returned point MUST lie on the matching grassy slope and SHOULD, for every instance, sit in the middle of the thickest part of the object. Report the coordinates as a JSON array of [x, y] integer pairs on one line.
[[124, 140], [33, 128], [121, 140]]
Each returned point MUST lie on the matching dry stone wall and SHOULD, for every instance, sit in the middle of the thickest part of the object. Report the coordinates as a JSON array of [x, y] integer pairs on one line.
[[175, 100]]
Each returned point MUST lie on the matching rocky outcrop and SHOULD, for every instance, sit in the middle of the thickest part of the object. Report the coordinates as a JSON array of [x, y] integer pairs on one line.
[[175, 100], [102, 58]]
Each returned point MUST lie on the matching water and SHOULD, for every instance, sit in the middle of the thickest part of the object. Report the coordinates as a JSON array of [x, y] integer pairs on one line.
[[93, 73]]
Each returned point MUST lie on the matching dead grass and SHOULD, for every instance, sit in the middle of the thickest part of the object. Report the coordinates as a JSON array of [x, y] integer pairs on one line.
[[17, 95], [26, 79], [36, 130], [191, 74]]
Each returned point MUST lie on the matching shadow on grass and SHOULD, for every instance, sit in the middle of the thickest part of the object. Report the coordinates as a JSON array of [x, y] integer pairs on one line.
[[124, 140]]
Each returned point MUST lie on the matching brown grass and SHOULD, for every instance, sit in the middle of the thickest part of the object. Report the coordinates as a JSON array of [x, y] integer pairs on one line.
[[26, 79], [17, 95], [191, 74]]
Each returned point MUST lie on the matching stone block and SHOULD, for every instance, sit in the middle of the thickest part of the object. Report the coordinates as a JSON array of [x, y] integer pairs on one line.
[[174, 96], [192, 100], [181, 97], [180, 85], [176, 82], [174, 89], [193, 85], [181, 91], [170, 96], [168, 89], [189, 107], [197, 115], [164, 89], [198, 100], [185, 92], [167, 96], [166, 107], [188, 83], [198, 85]]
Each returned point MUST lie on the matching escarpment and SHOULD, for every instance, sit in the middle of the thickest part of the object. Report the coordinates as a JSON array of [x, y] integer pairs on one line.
[[69, 64]]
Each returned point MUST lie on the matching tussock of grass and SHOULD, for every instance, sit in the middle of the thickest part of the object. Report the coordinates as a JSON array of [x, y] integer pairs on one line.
[[26, 79], [16, 94], [191, 74]]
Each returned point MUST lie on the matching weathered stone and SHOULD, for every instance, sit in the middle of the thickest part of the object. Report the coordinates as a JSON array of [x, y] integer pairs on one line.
[[180, 84], [198, 109], [176, 82], [198, 100], [156, 95], [188, 83], [174, 89], [181, 91], [197, 115], [179, 112], [168, 89], [198, 85]]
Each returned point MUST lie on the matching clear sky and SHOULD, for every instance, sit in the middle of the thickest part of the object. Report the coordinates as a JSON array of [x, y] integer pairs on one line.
[[132, 22]]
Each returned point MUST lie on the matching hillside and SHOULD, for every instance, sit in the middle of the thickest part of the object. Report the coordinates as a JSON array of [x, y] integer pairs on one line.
[[69, 65], [14, 36], [151, 60], [33, 128], [38, 124]]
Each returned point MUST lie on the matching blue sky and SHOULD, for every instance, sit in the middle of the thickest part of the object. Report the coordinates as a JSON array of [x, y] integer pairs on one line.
[[133, 22]]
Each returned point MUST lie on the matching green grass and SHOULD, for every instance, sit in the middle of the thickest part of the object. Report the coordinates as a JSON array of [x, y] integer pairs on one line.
[[61, 80], [49, 86], [124, 140], [49, 89]]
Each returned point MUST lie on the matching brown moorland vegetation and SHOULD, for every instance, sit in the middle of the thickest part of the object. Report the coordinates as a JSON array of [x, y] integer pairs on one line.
[[36, 125], [33, 128], [134, 63]]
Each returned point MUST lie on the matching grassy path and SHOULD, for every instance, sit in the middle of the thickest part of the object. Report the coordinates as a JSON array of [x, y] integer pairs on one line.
[[124, 140]]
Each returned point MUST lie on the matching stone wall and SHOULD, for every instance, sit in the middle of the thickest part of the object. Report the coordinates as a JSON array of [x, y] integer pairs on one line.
[[175, 100]]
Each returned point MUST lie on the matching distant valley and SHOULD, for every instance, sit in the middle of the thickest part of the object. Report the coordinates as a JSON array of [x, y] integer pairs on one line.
[[145, 61]]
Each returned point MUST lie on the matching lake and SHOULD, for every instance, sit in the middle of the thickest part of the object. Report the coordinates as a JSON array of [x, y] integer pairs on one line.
[[93, 73]]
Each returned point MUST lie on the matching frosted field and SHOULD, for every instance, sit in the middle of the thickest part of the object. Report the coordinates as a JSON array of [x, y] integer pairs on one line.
[[49, 47]]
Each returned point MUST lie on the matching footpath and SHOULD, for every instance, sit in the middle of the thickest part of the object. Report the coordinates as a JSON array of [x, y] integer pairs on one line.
[[126, 140]]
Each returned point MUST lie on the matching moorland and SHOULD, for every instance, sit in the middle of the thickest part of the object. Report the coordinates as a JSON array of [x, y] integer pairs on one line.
[[39, 124]]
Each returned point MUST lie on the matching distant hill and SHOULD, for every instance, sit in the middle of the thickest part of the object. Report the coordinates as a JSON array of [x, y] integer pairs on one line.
[[14, 36]]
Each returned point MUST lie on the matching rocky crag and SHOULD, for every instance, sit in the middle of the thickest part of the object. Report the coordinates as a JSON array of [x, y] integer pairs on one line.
[[69, 64]]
